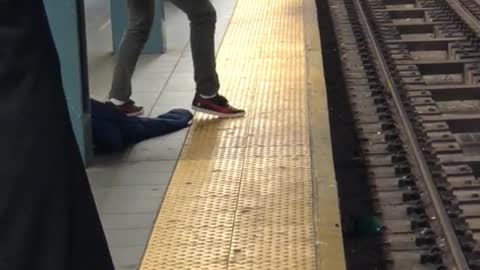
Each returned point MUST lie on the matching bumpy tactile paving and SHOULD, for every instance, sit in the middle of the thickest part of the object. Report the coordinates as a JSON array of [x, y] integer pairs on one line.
[[241, 195]]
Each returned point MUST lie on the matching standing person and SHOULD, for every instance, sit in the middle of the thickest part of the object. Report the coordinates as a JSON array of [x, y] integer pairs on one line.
[[48, 218], [202, 16]]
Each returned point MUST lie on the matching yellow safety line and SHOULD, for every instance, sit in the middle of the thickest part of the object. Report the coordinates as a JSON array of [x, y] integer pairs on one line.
[[241, 196]]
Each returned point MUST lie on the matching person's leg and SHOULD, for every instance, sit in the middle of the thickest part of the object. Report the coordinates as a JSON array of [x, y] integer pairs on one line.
[[169, 122], [202, 16], [140, 19]]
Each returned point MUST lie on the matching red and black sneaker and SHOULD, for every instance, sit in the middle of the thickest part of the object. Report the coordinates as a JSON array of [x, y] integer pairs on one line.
[[217, 105], [129, 108]]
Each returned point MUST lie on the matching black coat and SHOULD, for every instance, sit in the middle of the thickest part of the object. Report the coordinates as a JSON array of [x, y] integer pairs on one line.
[[48, 218]]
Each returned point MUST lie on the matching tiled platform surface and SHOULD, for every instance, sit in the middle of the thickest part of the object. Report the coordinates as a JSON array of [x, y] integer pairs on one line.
[[257, 192], [129, 187]]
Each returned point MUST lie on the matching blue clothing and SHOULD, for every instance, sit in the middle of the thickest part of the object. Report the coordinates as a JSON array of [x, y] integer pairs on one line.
[[114, 130]]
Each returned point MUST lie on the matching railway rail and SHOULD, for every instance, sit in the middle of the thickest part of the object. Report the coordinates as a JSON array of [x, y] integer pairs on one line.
[[412, 73]]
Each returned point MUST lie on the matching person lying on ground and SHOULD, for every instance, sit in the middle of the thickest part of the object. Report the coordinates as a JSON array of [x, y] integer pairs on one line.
[[113, 130]]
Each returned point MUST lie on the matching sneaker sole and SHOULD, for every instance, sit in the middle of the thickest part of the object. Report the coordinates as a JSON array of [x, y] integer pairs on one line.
[[219, 114], [136, 113]]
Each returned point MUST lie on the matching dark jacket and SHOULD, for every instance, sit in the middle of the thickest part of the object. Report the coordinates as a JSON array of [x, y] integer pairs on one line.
[[48, 218], [114, 130]]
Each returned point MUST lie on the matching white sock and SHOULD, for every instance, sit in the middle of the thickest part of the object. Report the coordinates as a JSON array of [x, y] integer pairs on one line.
[[207, 97], [117, 102]]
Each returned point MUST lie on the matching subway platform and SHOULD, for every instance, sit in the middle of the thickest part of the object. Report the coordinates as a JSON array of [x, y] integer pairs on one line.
[[252, 193]]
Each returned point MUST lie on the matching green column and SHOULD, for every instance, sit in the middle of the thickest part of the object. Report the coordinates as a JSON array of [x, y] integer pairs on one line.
[[66, 19]]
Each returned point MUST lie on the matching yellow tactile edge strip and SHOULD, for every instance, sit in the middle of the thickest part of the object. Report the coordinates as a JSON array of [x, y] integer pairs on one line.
[[241, 195], [329, 240]]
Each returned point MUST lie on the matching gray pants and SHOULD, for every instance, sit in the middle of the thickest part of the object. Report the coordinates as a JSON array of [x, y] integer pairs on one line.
[[202, 16]]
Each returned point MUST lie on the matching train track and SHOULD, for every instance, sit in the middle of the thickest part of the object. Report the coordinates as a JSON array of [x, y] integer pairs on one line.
[[412, 73]]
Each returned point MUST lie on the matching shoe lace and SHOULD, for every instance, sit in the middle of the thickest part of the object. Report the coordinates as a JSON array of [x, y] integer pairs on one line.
[[222, 100]]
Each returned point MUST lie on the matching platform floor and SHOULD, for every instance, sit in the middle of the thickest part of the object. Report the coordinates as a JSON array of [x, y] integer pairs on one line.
[[243, 193], [252, 193], [129, 187]]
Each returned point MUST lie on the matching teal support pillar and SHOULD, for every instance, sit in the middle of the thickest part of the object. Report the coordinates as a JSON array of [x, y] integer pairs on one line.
[[66, 20], [119, 15]]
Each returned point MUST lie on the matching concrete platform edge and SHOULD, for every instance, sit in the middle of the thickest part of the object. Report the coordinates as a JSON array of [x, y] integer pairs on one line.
[[328, 229]]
